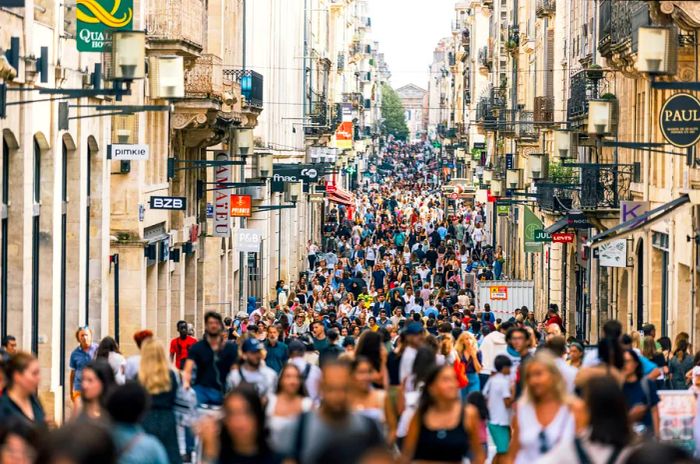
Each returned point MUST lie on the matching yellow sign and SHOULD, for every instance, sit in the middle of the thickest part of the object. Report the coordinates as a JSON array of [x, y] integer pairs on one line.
[[498, 293]]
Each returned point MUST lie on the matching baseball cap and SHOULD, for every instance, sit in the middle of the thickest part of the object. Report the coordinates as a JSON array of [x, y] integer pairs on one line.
[[414, 328], [295, 346], [252, 345]]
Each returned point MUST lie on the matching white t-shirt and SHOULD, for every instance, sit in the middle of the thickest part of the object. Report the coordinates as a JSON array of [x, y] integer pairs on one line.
[[478, 235], [497, 389], [264, 379]]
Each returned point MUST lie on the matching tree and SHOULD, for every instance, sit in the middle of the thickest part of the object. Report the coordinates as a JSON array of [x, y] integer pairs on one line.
[[393, 114]]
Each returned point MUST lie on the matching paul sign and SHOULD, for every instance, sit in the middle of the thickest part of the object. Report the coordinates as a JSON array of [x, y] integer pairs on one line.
[[680, 120]]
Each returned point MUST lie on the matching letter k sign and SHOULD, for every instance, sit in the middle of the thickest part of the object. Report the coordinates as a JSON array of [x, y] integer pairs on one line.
[[633, 209]]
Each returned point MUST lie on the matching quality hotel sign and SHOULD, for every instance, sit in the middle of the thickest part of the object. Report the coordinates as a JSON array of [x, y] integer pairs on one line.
[[680, 120]]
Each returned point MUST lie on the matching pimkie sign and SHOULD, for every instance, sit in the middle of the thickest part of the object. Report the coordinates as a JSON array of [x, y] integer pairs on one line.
[[241, 206], [680, 120]]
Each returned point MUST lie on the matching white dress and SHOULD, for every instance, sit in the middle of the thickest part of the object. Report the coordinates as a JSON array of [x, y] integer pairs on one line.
[[533, 437], [280, 426]]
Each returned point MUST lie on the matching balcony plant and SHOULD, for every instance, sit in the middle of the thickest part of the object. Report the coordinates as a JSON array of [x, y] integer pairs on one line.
[[594, 72]]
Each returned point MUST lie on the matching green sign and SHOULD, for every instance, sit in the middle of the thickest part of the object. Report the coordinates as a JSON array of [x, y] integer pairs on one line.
[[542, 236], [437, 144], [532, 224], [503, 210], [96, 20]]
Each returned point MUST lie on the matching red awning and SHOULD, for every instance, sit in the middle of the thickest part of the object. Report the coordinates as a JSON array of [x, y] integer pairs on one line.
[[342, 197]]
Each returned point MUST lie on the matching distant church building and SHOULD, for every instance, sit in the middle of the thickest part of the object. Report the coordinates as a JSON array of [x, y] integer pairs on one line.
[[413, 98]]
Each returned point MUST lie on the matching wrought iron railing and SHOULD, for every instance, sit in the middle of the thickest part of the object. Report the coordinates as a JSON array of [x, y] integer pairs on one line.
[[485, 58], [582, 90], [544, 109], [603, 186], [251, 85], [526, 129], [545, 8], [618, 23], [506, 121], [558, 197]]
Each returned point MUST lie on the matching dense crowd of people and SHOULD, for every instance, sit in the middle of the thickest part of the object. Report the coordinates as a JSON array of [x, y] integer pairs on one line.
[[378, 353]]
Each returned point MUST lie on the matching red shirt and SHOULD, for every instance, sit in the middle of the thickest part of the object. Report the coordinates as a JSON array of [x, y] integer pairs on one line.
[[180, 349], [554, 319]]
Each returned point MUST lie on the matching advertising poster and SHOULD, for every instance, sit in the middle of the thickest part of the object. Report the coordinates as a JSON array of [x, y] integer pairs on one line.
[[677, 411]]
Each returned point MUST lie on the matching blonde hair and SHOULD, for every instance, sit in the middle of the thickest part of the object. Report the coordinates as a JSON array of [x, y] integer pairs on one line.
[[446, 344], [465, 339], [154, 371], [548, 360]]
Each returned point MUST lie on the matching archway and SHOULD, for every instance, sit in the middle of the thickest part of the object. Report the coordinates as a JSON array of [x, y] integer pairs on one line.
[[95, 256], [42, 242]]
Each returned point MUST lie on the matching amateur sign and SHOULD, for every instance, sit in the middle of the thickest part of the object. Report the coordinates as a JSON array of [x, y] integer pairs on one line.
[[241, 206], [96, 19], [170, 203], [249, 240], [122, 152], [222, 199], [679, 120]]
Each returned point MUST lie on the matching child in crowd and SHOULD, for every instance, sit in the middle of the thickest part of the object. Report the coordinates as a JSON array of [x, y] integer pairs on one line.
[[499, 396]]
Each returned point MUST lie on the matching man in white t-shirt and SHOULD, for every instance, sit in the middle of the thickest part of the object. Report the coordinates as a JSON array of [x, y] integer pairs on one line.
[[253, 371]]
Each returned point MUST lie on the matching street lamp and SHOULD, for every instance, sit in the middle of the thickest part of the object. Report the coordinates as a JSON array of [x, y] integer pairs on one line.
[[244, 140], [563, 143], [657, 50], [514, 178], [166, 76], [600, 114], [535, 165], [292, 191], [129, 54], [496, 188], [265, 165], [487, 177]]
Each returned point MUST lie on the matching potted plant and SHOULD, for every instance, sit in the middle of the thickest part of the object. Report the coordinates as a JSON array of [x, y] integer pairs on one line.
[[594, 72]]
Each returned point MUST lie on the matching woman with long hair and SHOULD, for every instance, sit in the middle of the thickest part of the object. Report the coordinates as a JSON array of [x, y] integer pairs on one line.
[[641, 396], [286, 404], [161, 383], [545, 415], [370, 345], [241, 436], [650, 352], [469, 355], [611, 361], [98, 380], [607, 437], [679, 364], [443, 429], [368, 401], [108, 349], [20, 400]]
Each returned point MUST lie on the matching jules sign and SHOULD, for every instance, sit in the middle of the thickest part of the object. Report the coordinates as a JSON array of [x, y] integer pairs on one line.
[[680, 120], [96, 20]]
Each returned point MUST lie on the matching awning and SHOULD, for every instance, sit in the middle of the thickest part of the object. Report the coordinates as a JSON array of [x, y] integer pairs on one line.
[[341, 196], [633, 224], [557, 226]]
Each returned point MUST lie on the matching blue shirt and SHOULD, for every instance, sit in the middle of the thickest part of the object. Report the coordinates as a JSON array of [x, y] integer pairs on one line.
[[636, 394], [135, 446], [442, 231], [78, 360]]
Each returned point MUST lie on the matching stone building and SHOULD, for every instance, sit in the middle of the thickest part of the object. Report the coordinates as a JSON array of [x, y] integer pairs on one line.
[[412, 98]]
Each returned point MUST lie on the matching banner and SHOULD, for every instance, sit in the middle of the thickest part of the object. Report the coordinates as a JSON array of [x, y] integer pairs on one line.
[[344, 135], [249, 240], [532, 224], [222, 199], [97, 18]]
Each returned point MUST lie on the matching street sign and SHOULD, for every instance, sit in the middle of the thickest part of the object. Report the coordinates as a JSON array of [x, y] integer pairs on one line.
[[331, 188], [680, 120], [97, 19], [123, 152], [249, 240], [169, 203], [541, 236], [241, 206], [563, 237]]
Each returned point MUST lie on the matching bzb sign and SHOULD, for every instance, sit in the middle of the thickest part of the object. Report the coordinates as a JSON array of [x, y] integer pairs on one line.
[[171, 203], [680, 120]]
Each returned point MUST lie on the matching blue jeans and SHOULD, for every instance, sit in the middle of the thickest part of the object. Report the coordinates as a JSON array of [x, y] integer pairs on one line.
[[207, 395], [474, 385]]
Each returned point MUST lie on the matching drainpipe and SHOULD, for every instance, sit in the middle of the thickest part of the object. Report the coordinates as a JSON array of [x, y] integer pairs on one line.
[[245, 33]]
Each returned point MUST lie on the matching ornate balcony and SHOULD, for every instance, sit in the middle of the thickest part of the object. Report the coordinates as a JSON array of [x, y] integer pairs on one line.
[[251, 86], [618, 24], [176, 27], [545, 8], [506, 122], [485, 58], [602, 187], [205, 80], [544, 109], [557, 198], [582, 89], [318, 115], [526, 130]]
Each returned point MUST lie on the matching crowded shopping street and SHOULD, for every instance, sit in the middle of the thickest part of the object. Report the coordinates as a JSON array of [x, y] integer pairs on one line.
[[349, 232]]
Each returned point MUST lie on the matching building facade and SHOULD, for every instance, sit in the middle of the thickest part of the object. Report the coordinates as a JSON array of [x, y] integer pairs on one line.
[[412, 97]]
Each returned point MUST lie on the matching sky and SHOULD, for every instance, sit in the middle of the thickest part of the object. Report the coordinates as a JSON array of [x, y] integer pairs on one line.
[[407, 32]]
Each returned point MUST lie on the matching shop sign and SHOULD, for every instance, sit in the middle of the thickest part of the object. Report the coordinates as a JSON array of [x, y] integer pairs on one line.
[[344, 136], [613, 253], [123, 152], [98, 18], [509, 161], [578, 221], [542, 237], [503, 210], [285, 173], [680, 120], [169, 203], [563, 237], [11, 3], [498, 293], [249, 240], [241, 206], [222, 199], [631, 210], [532, 224]]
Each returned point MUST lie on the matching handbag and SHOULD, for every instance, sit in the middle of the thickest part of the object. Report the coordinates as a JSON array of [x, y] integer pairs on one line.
[[461, 371], [185, 406]]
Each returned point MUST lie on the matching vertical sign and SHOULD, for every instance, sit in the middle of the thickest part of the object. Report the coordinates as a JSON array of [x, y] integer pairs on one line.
[[96, 20], [344, 136], [222, 199], [532, 224]]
